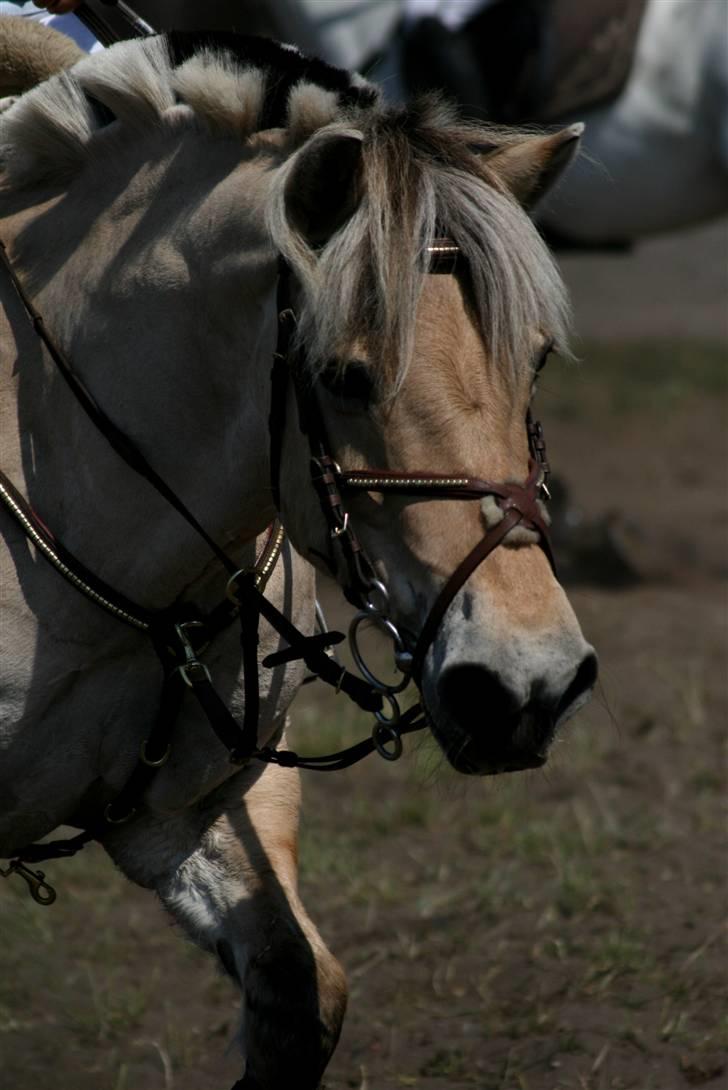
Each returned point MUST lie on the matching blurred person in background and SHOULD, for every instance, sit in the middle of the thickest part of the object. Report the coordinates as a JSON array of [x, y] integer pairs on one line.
[[57, 14], [649, 78]]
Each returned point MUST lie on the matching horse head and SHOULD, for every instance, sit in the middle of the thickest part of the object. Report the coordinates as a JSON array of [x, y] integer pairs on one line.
[[421, 380]]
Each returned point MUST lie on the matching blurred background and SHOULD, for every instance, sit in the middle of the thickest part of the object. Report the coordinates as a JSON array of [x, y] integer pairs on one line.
[[561, 929]]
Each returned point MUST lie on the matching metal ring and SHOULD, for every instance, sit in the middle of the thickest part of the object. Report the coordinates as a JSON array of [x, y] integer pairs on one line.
[[387, 626], [389, 720], [380, 743], [378, 587], [118, 821], [153, 764]]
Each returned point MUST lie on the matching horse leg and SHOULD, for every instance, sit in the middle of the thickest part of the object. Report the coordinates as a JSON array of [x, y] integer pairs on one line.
[[227, 872]]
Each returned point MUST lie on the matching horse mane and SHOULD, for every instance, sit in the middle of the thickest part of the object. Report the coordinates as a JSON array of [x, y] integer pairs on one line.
[[425, 173], [231, 83]]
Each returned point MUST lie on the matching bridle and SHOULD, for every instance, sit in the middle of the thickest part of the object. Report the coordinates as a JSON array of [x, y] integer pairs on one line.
[[520, 503], [180, 633]]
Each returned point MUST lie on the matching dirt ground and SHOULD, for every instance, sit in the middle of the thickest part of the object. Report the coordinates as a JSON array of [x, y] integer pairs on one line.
[[558, 930]]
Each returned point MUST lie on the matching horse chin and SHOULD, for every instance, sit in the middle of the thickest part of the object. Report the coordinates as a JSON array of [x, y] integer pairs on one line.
[[467, 757], [470, 763], [474, 754]]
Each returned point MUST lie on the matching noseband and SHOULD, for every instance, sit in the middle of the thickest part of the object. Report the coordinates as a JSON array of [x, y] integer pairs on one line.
[[520, 503]]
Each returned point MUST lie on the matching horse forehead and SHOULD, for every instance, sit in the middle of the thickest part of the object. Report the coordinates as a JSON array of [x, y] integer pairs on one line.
[[451, 350]]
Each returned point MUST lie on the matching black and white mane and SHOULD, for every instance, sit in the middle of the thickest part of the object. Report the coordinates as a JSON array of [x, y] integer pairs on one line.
[[425, 172]]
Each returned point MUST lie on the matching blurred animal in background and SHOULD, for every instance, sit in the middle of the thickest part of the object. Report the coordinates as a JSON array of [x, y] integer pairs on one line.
[[649, 78]]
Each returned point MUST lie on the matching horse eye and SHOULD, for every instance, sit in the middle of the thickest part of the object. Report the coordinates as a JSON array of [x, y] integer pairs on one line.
[[353, 381]]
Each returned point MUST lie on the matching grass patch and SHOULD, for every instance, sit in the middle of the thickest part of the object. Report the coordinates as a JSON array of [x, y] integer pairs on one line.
[[648, 377]]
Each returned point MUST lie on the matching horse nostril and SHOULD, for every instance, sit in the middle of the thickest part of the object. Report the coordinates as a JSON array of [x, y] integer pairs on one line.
[[469, 693], [582, 683]]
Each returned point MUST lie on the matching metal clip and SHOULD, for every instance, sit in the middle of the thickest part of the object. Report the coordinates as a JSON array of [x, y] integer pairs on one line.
[[183, 638], [184, 672], [337, 531], [191, 660], [41, 891]]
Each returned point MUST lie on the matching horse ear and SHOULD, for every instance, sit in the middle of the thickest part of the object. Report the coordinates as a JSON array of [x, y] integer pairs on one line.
[[530, 166], [325, 186]]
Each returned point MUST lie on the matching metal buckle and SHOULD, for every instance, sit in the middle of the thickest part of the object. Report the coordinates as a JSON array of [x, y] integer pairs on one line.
[[41, 891], [184, 672], [191, 662]]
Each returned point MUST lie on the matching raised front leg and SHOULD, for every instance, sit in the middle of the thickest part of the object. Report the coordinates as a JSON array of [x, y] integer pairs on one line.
[[232, 886]]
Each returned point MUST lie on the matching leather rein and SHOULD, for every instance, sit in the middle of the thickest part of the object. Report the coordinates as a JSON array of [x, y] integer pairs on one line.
[[180, 633]]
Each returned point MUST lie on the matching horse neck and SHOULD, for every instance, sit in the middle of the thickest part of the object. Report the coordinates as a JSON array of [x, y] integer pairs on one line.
[[168, 317]]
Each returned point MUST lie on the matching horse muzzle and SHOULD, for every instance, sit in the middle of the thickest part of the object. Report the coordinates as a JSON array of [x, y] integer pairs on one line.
[[486, 725]]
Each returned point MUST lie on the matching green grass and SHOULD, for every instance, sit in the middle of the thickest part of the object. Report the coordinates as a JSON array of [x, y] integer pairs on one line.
[[649, 377]]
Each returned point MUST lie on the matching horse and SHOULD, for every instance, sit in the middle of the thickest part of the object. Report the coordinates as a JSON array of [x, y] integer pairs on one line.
[[656, 158], [655, 152], [167, 208]]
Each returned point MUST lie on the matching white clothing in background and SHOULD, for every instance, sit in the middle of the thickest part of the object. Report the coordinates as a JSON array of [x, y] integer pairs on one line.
[[452, 13], [66, 24]]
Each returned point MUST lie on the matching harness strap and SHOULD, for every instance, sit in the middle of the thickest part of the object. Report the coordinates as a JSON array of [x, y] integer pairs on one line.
[[55, 849], [69, 566], [463, 571], [519, 504], [154, 752], [309, 649]]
